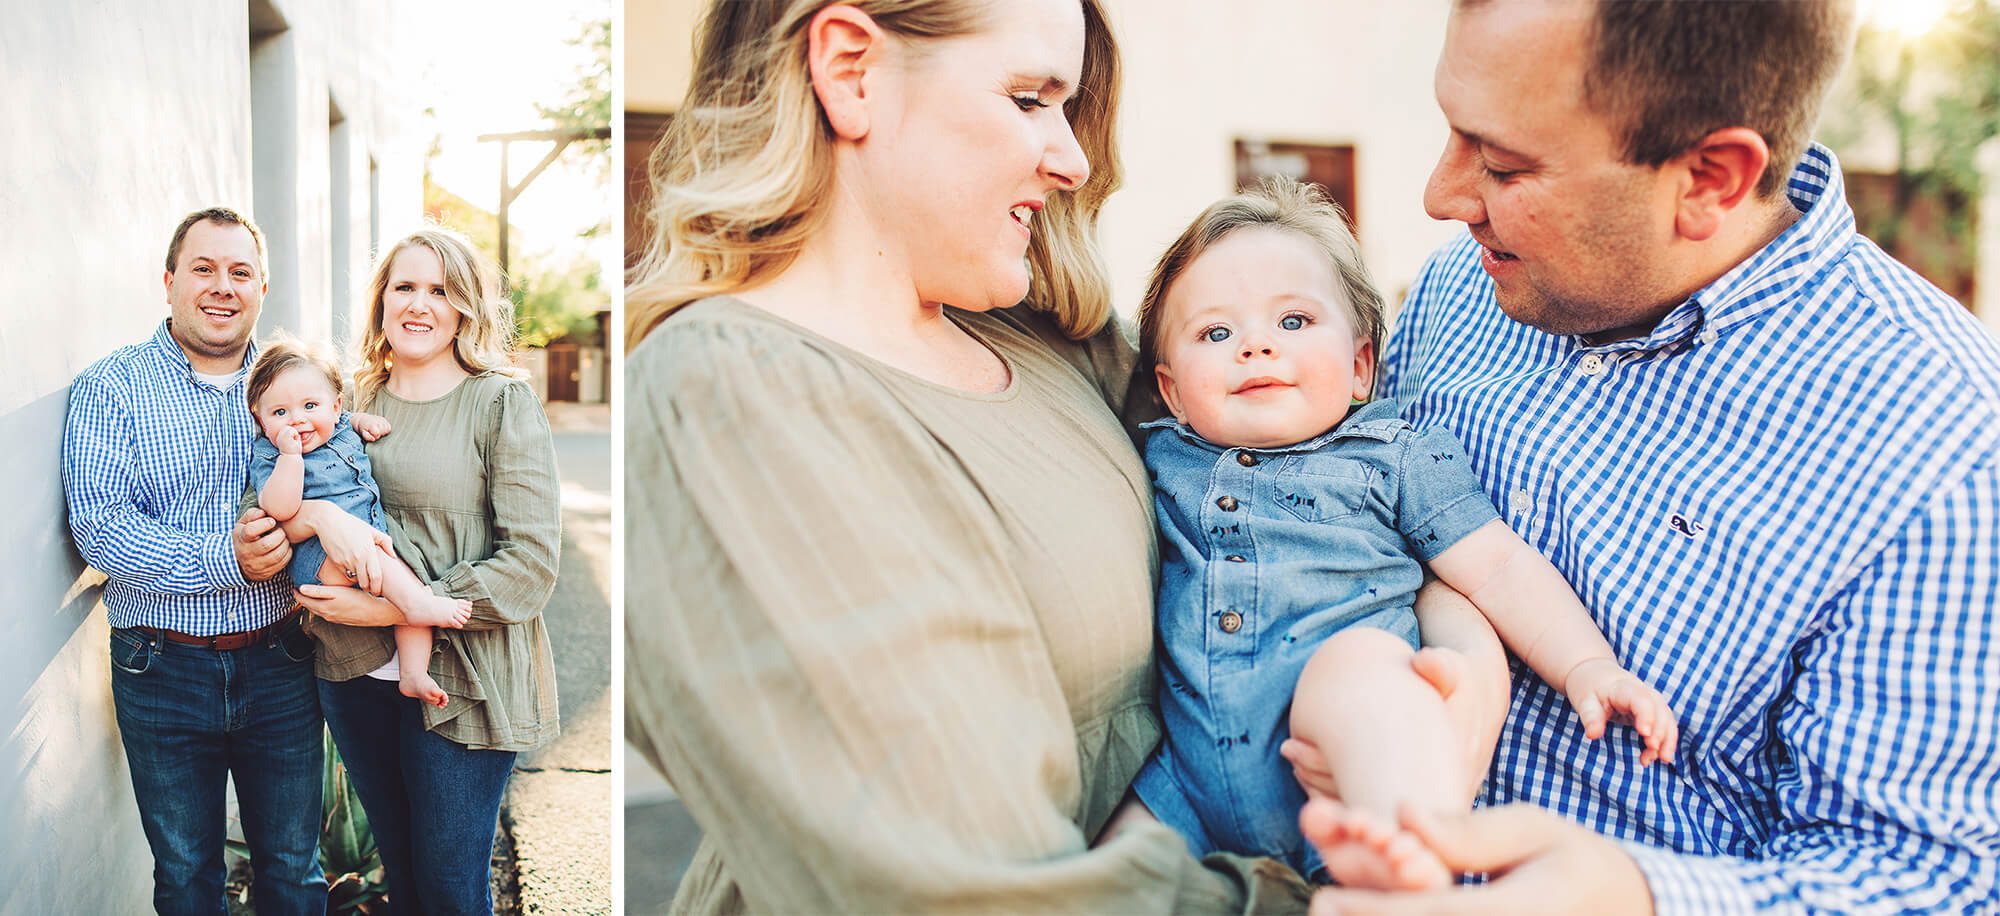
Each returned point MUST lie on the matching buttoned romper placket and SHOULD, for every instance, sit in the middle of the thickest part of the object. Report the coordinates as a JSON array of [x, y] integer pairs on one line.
[[1231, 600]]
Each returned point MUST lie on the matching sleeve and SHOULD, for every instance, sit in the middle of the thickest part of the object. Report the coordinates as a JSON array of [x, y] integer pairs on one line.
[[112, 532], [827, 658], [1892, 799], [515, 582], [263, 461], [1438, 500]]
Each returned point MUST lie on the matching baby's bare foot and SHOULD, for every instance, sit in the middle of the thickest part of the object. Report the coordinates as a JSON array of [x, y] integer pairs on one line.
[[1363, 850], [438, 611], [419, 685], [1443, 668]]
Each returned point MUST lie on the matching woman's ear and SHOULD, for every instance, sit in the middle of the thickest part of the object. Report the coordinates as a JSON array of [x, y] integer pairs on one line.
[[842, 46], [1723, 169]]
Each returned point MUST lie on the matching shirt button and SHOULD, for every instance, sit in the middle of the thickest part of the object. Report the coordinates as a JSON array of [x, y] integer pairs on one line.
[[1592, 364], [1709, 336], [1226, 504], [1519, 501], [1234, 558], [1246, 459], [1230, 622]]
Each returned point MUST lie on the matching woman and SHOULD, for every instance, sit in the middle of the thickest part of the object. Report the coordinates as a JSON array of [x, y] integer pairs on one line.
[[468, 481], [891, 639]]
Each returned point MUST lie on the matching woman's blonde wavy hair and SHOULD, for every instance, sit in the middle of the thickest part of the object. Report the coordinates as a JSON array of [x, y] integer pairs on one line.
[[485, 338], [741, 178]]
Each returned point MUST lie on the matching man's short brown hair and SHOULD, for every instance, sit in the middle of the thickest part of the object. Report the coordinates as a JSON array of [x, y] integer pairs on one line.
[[1669, 72], [222, 215]]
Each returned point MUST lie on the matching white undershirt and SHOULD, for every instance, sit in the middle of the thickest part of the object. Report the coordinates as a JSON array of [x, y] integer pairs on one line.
[[222, 381], [388, 672]]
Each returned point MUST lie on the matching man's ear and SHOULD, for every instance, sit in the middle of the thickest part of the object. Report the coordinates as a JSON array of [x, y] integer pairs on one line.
[[1364, 370], [1723, 169], [842, 45], [1168, 392], [168, 279]]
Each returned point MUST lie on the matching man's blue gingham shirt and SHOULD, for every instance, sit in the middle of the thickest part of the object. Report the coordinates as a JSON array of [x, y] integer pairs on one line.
[[1783, 508], [153, 466]]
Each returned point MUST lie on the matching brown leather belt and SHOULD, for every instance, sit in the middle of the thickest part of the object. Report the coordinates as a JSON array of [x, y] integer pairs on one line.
[[222, 642]]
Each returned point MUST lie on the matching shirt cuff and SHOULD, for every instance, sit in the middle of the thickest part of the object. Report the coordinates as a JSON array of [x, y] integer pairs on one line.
[[218, 562], [1690, 884]]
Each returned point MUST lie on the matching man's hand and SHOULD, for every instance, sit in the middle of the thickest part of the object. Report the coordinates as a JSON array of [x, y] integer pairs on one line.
[[369, 426], [357, 547], [350, 606], [1540, 863], [287, 440], [1601, 691], [261, 548]]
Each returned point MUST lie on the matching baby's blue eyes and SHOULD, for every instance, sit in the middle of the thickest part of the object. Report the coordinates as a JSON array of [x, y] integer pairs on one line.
[[1219, 333]]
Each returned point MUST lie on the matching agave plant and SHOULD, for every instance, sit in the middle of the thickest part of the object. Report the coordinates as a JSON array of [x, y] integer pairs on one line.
[[354, 879]]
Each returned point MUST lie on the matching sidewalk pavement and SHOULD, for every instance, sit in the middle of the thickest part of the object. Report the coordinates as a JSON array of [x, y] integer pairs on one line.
[[559, 806]]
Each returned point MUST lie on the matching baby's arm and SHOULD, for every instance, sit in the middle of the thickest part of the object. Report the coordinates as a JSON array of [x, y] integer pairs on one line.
[[281, 494], [1536, 614]]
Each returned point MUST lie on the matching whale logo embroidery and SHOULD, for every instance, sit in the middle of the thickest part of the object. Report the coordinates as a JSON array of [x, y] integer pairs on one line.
[[1685, 525]]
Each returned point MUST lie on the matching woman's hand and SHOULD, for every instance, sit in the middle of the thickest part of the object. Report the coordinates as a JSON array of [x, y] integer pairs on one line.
[[352, 544], [349, 606]]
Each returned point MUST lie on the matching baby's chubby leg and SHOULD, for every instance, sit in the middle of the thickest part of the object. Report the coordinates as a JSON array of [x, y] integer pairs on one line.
[[1388, 740], [421, 606], [413, 659]]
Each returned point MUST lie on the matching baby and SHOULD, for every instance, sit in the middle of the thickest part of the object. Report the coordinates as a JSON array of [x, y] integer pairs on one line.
[[1296, 518], [311, 450]]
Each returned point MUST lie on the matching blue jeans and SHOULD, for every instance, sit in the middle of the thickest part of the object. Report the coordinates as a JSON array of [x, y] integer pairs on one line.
[[432, 803], [191, 718]]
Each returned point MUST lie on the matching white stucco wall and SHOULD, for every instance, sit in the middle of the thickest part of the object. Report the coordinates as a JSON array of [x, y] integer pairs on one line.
[[125, 116], [1199, 77]]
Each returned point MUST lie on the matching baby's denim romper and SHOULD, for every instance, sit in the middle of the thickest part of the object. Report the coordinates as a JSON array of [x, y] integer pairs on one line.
[[338, 472], [1265, 552]]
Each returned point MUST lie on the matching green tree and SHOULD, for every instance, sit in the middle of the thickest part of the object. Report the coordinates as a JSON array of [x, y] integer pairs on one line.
[[1937, 95]]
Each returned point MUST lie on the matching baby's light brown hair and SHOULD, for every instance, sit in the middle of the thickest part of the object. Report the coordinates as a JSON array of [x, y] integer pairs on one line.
[[1281, 203], [283, 352]]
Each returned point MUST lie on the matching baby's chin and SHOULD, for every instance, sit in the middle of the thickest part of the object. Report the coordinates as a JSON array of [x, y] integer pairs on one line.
[[1279, 434]]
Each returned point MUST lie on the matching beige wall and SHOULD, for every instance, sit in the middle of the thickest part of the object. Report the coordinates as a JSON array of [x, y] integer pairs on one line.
[[658, 34]]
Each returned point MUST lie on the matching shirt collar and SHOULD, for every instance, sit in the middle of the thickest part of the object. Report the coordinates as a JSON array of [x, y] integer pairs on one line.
[[1769, 277], [1378, 419]]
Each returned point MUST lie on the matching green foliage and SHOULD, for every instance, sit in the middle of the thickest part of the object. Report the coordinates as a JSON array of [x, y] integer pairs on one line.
[[554, 299], [1939, 93], [586, 104]]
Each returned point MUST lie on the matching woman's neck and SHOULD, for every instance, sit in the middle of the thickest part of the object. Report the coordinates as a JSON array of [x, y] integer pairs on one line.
[[426, 380], [850, 287]]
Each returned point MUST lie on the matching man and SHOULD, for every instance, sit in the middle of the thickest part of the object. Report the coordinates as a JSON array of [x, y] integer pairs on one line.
[[1766, 455], [211, 676]]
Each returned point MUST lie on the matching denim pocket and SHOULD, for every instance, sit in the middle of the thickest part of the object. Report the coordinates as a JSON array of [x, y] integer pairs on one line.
[[133, 651], [1328, 493], [292, 640]]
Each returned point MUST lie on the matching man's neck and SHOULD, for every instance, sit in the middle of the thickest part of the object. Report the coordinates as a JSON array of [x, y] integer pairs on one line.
[[1713, 259], [207, 364]]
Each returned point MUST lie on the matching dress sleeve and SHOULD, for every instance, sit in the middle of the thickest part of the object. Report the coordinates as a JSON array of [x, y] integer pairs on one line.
[[1891, 800], [513, 584], [829, 661], [112, 532]]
